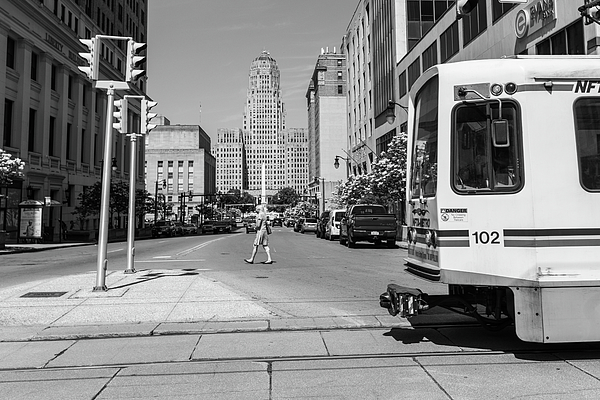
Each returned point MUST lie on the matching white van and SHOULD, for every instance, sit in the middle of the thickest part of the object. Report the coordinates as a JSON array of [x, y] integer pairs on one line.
[[332, 230]]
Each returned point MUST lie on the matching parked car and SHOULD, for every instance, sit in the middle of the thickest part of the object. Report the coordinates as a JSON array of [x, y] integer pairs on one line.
[[163, 228], [370, 223], [178, 228], [332, 230], [298, 224], [322, 223], [190, 229], [309, 225]]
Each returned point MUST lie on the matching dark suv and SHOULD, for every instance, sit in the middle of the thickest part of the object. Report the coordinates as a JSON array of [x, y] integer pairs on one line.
[[163, 228], [322, 224]]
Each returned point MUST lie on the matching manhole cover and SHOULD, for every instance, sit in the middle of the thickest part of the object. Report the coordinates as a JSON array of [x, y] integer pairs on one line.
[[44, 294]]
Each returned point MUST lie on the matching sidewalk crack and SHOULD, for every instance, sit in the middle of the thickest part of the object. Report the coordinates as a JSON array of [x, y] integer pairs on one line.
[[59, 354], [107, 383]]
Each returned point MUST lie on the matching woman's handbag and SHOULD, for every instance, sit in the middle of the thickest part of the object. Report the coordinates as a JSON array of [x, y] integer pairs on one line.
[[269, 229]]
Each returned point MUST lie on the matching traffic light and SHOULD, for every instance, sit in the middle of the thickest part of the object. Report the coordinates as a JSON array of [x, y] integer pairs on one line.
[[120, 113], [134, 60], [190, 196], [147, 116], [91, 57], [464, 7]]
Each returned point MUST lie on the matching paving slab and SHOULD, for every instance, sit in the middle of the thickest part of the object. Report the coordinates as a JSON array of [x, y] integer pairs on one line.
[[382, 341], [240, 380], [61, 384], [353, 379], [525, 379], [31, 354], [127, 351], [259, 345]]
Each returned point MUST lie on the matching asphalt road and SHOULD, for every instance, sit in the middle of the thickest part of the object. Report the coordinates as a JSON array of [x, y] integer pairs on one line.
[[310, 277]]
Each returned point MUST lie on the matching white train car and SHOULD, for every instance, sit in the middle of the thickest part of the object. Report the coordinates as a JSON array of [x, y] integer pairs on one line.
[[504, 194]]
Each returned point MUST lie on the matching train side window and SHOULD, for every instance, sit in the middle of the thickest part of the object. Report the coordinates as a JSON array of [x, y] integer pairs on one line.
[[587, 132], [425, 143], [482, 164]]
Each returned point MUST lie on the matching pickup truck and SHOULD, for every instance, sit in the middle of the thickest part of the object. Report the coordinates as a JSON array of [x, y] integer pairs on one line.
[[368, 223]]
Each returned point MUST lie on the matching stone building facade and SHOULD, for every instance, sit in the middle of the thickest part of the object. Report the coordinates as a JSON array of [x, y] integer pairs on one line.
[[52, 116], [179, 163]]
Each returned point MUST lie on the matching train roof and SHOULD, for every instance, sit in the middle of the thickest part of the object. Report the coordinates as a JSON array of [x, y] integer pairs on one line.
[[514, 68]]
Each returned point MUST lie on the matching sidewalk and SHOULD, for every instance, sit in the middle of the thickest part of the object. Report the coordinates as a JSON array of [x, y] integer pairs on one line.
[[149, 302], [27, 247], [173, 333]]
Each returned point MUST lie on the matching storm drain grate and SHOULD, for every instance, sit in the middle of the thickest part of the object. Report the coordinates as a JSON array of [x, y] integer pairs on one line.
[[44, 294]]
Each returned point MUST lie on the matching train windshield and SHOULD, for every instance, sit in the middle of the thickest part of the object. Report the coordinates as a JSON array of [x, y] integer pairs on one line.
[[424, 152], [479, 164]]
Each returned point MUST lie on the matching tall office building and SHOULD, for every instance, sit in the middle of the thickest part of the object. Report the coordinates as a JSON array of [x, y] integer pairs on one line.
[[264, 120], [296, 157], [327, 125], [379, 35], [230, 154], [264, 140], [50, 114]]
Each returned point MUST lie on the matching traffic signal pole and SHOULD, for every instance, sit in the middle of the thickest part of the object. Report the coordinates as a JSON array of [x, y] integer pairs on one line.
[[132, 73], [131, 213], [102, 262]]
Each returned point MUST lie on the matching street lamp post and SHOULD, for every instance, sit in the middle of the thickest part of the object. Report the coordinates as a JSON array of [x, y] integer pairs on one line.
[[390, 114]]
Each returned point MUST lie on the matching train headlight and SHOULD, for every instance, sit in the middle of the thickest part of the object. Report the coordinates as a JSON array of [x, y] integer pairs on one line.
[[510, 87], [496, 89]]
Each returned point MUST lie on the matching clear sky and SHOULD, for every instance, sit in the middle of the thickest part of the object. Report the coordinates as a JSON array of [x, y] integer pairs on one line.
[[199, 54]]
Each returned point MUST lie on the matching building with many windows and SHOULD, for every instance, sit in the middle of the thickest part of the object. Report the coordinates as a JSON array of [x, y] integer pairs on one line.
[[264, 121], [296, 157], [327, 124], [179, 164], [264, 139], [379, 35], [52, 116], [230, 155], [494, 30]]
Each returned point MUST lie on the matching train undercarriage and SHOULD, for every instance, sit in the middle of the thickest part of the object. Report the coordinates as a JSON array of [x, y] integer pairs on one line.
[[492, 307]]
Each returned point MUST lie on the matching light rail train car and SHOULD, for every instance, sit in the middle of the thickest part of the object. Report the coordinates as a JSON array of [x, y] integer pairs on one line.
[[503, 195]]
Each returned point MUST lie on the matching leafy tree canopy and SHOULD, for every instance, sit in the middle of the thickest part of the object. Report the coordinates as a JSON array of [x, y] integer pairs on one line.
[[10, 167]]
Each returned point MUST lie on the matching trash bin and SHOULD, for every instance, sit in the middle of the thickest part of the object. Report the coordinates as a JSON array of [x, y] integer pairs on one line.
[[2, 240]]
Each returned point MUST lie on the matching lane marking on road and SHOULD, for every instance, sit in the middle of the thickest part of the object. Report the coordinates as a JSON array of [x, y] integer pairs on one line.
[[198, 247], [174, 261], [114, 251], [162, 257]]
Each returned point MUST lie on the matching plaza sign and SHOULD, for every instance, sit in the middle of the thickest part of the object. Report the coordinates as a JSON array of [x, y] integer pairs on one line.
[[534, 17]]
